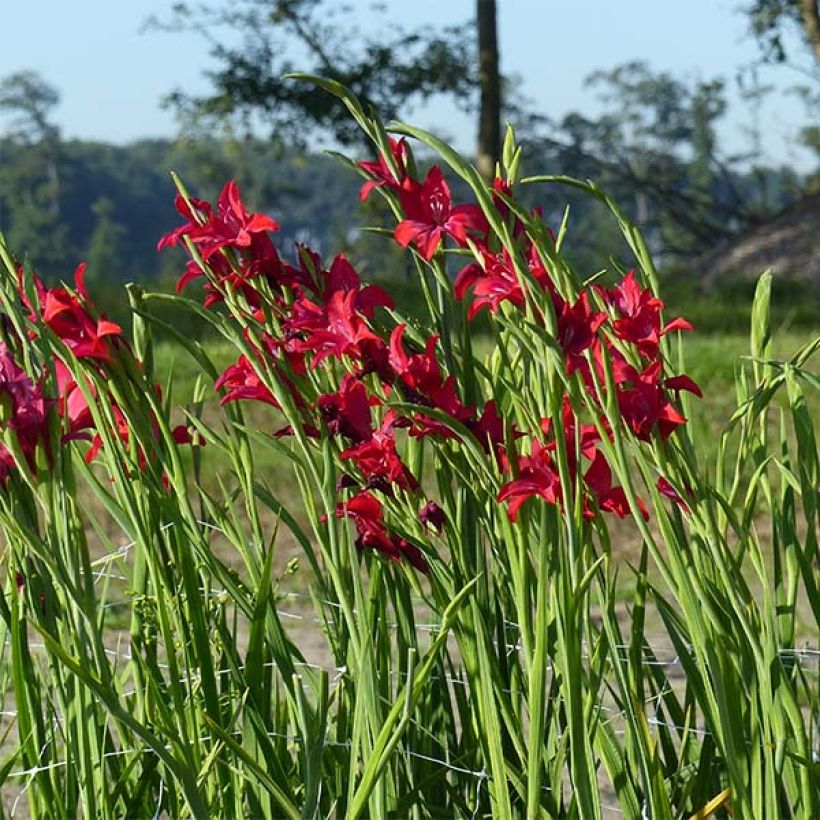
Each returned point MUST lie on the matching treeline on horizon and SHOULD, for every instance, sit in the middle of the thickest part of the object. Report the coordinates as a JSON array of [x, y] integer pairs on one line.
[[63, 202], [108, 205]]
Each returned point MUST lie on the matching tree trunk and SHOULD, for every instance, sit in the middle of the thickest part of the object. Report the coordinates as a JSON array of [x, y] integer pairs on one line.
[[810, 12], [489, 80]]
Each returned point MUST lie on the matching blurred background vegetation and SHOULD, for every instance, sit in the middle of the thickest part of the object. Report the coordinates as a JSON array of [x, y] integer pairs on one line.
[[714, 219]]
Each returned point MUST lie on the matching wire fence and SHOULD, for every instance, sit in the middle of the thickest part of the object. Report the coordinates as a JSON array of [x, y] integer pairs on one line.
[[481, 775], [659, 655]]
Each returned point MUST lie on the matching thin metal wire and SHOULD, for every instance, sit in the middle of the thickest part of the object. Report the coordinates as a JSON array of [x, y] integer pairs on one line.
[[650, 658], [121, 552]]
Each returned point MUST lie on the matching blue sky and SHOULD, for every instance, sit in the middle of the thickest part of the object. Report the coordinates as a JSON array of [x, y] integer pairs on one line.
[[112, 74]]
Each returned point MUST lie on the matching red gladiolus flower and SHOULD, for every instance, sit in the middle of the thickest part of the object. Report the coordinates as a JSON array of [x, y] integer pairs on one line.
[[446, 398], [683, 382], [242, 382], [343, 277], [323, 284], [347, 412], [666, 489], [374, 357], [422, 383], [431, 515], [232, 226], [598, 479], [588, 436], [577, 326], [379, 462], [192, 271], [335, 331], [72, 404], [488, 428], [430, 215], [419, 372], [539, 270], [644, 404], [367, 514], [640, 313], [198, 212], [537, 476], [411, 553], [24, 404], [308, 276], [493, 282], [67, 314], [181, 434], [364, 507], [124, 434], [382, 172], [501, 188], [23, 409]]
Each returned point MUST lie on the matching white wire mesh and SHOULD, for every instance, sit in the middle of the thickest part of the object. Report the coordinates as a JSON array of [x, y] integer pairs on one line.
[[808, 658]]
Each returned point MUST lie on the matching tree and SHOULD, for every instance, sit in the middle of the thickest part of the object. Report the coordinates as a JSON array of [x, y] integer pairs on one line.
[[770, 21], [655, 149], [30, 189], [489, 80], [387, 67], [771, 18], [106, 249], [29, 100]]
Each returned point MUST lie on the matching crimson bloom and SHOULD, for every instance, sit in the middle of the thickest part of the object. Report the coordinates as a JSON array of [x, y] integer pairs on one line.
[[493, 282], [335, 330], [180, 435], [311, 277], [665, 488], [489, 429], [419, 372], [640, 316], [72, 404], [23, 409], [381, 171], [368, 516], [347, 411], [644, 403], [429, 215], [538, 472], [587, 436], [231, 226], [196, 211], [598, 479], [577, 328], [537, 476], [68, 315], [242, 382], [379, 461], [431, 515], [342, 277], [423, 383]]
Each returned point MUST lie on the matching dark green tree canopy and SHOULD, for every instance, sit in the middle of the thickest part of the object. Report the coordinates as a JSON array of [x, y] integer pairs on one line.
[[385, 66]]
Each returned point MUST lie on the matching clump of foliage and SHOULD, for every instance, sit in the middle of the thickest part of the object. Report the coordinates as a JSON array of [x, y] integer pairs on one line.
[[459, 518]]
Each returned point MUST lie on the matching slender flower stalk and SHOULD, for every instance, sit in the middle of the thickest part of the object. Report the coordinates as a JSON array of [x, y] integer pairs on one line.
[[481, 642]]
